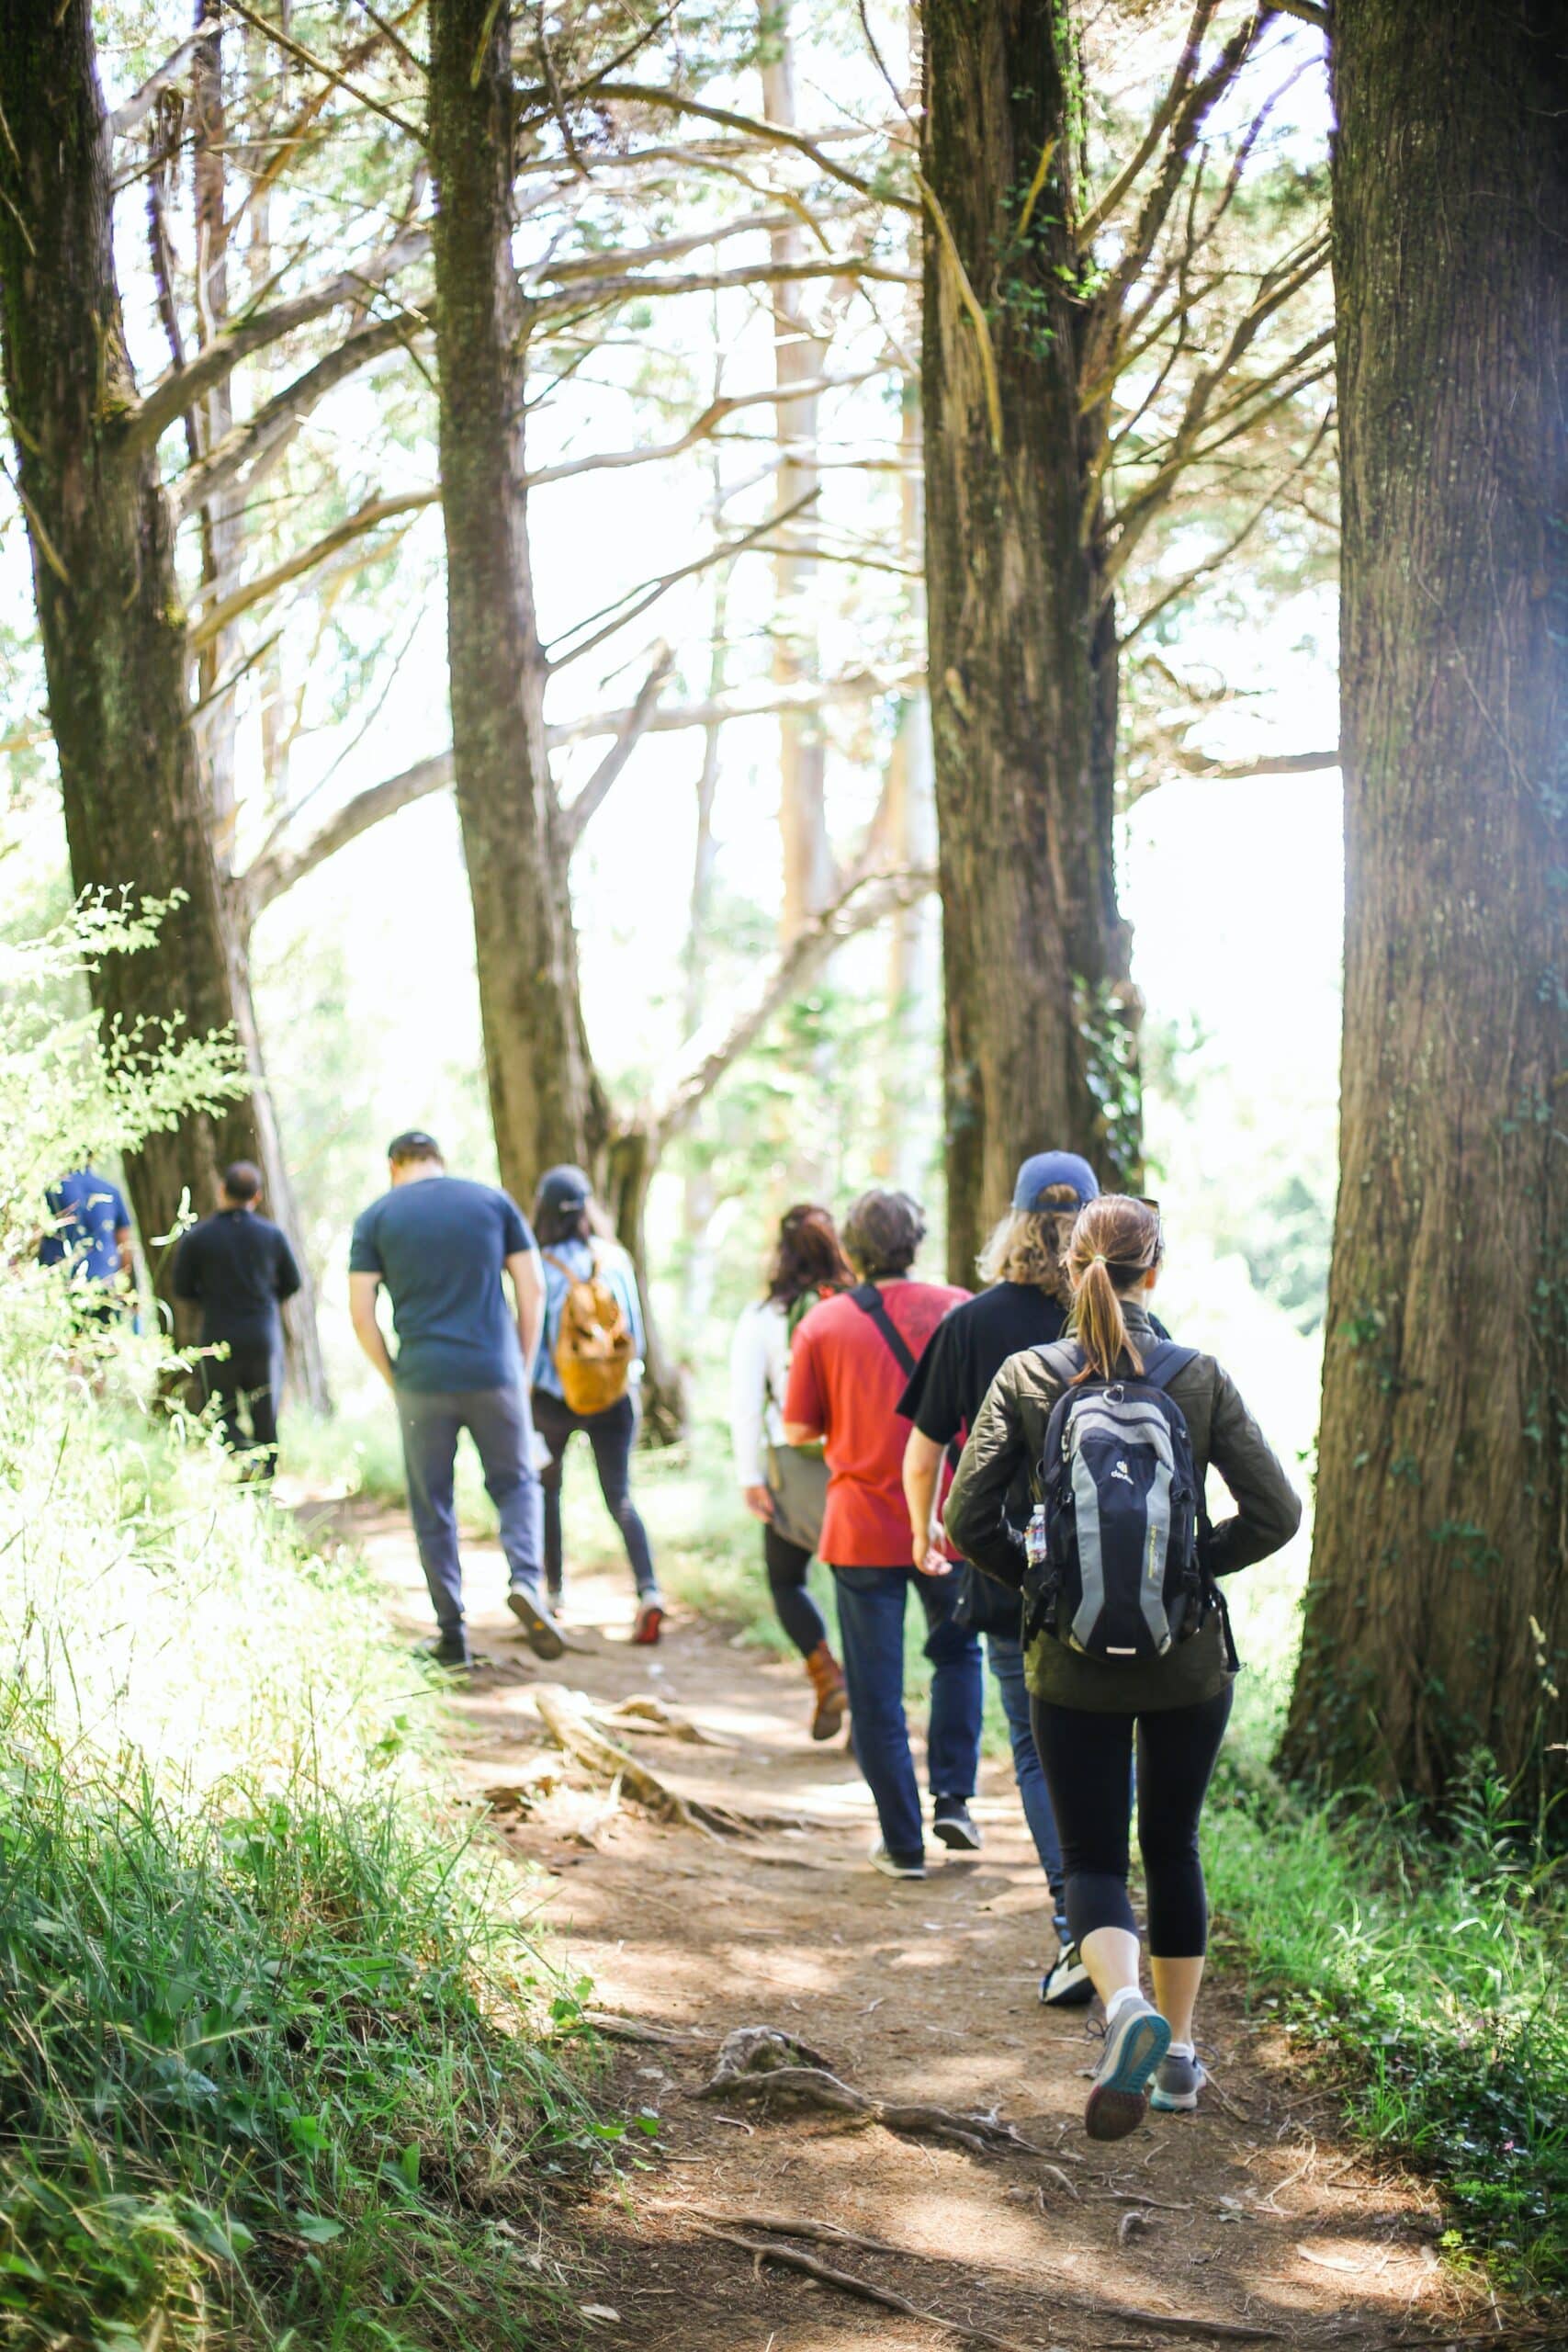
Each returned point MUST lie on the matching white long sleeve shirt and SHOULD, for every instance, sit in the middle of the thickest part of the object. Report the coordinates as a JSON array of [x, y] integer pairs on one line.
[[759, 1373]]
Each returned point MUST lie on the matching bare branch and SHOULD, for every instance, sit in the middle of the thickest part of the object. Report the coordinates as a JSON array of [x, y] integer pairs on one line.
[[1090, 227], [181, 388], [1276, 763], [1309, 11], [702, 1063], [578, 300], [770, 134], [622, 258], [771, 396], [672, 718], [637, 599], [303, 56], [1237, 540], [280, 418], [133, 112], [627, 736], [280, 869], [228, 610]]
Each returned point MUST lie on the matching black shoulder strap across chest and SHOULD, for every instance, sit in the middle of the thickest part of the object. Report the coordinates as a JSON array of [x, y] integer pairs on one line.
[[1163, 1362], [868, 1299]]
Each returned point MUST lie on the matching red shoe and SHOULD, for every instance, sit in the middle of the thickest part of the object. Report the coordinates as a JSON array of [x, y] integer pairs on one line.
[[649, 1623]]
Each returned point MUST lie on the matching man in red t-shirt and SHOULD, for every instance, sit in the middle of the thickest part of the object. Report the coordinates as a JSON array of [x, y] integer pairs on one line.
[[851, 1359]]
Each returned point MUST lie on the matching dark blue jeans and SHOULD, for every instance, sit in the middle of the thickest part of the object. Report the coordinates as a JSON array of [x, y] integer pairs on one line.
[[871, 1630], [497, 1420], [1006, 1656]]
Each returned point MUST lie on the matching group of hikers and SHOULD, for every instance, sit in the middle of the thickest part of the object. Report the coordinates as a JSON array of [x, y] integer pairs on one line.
[[1030, 1461]]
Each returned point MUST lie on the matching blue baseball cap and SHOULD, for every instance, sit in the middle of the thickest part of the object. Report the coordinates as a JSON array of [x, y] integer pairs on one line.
[[1045, 1169]]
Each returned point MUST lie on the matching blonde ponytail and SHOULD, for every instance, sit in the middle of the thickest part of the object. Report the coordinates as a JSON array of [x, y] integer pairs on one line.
[[1115, 1242]]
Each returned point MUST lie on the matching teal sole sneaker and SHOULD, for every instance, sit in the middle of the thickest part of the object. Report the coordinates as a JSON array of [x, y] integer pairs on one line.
[[1119, 2096]]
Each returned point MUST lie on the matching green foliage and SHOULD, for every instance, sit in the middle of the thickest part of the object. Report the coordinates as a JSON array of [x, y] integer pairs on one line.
[[1434, 1973], [277, 2065]]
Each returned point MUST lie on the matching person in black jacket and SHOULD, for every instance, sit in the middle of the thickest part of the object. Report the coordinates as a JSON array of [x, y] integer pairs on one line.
[[1087, 1705], [1025, 1306], [238, 1267]]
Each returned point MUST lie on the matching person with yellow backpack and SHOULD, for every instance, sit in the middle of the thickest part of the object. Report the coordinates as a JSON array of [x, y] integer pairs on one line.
[[587, 1373]]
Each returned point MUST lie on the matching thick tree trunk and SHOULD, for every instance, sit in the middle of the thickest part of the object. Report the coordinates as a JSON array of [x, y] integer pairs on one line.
[[1040, 1044], [543, 1100], [108, 607], [1437, 1613]]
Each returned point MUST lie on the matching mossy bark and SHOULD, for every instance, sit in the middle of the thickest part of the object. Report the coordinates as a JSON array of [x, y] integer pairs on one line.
[[1040, 1039], [1437, 1613]]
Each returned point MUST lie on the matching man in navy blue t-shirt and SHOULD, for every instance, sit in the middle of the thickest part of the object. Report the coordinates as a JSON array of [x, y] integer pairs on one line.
[[89, 1233], [441, 1245]]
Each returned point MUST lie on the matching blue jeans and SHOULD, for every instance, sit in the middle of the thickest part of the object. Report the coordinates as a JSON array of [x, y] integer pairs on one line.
[[497, 1419], [1006, 1656], [871, 1633]]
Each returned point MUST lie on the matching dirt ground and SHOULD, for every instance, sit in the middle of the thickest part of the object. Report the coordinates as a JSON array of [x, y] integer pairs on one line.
[[1254, 2216]]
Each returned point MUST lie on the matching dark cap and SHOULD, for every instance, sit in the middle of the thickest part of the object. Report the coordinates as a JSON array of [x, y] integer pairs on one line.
[[1048, 1169], [413, 1144], [566, 1188]]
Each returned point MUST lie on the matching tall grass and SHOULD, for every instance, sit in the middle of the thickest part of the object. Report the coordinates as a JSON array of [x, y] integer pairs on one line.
[[277, 2064]]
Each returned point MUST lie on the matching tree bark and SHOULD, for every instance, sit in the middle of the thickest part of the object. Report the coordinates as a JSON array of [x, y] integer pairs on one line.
[[545, 1101], [1437, 1616], [1040, 1034], [108, 606]]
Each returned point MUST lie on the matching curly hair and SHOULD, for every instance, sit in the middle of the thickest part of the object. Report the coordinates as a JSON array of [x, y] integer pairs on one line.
[[806, 1256]]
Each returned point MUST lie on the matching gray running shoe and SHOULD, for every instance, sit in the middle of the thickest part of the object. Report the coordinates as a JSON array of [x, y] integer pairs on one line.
[[1177, 2081], [544, 1634], [1119, 2095]]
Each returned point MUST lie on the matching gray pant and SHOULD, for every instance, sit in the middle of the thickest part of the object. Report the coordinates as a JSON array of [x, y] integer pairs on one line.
[[497, 1419]]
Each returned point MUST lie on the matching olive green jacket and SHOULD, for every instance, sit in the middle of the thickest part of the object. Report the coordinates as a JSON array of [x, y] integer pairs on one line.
[[1010, 1436]]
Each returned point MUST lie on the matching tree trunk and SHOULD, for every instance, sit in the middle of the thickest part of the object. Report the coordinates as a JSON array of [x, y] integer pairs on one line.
[[108, 607], [808, 876], [1437, 1614], [1040, 1037], [545, 1102]]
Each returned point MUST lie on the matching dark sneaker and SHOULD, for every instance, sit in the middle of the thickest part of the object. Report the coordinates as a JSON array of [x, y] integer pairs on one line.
[[1177, 2081], [1119, 2095], [544, 1634], [896, 1865], [951, 1822], [450, 1650], [1067, 1984], [649, 1622]]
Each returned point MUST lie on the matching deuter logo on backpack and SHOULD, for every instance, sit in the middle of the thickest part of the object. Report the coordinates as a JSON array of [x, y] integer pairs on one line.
[[1114, 1569]]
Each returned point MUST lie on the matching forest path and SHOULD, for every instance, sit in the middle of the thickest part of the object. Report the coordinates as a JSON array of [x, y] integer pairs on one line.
[[1255, 2214]]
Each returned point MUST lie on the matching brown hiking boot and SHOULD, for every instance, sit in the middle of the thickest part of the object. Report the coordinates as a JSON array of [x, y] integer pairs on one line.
[[832, 1700]]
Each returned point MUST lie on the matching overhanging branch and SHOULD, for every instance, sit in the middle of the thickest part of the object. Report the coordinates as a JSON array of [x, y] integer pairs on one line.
[[281, 869], [631, 731]]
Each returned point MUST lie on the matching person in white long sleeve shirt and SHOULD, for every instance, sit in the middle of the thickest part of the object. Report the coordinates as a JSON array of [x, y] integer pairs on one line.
[[784, 1485]]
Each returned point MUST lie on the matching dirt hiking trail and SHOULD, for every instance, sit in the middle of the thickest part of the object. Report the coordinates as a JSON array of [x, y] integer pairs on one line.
[[1253, 2219]]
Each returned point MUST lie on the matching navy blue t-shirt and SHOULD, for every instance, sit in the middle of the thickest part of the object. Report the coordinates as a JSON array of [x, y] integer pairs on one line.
[[89, 1211], [439, 1244]]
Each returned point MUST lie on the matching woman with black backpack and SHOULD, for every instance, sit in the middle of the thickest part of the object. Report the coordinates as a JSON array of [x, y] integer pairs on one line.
[[787, 1486], [1124, 1627]]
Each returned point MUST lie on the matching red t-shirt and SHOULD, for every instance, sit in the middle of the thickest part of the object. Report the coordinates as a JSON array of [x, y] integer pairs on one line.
[[845, 1380]]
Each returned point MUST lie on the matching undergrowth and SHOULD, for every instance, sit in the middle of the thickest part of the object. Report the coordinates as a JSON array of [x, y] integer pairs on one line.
[[1432, 1974], [279, 2064]]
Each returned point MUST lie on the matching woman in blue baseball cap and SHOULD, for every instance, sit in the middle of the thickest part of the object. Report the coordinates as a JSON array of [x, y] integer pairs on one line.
[[1024, 1263]]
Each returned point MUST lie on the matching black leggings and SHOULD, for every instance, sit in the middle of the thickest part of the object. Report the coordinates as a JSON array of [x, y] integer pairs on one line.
[[612, 1434], [1087, 1759], [788, 1565]]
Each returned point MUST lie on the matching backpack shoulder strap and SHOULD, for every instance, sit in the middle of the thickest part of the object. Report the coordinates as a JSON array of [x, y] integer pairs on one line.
[[560, 1265], [1063, 1359], [868, 1299], [1163, 1362]]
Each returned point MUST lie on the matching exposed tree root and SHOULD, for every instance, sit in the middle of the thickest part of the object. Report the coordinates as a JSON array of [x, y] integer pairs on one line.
[[619, 2028], [763, 2250], [652, 1717], [565, 1716], [787, 2226], [759, 2062]]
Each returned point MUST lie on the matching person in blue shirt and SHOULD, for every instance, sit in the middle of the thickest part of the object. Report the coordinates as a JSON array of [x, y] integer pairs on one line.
[[89, 1233], [440, 1247], [577, 1248]]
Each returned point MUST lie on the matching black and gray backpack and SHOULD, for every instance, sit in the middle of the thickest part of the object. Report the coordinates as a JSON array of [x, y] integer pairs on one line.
[[1119, 1573]]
